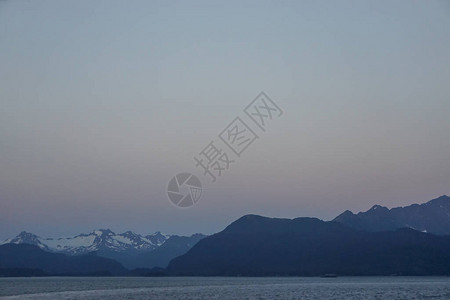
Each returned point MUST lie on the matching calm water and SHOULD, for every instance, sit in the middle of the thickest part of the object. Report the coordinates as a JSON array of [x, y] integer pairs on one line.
[[225, 288]]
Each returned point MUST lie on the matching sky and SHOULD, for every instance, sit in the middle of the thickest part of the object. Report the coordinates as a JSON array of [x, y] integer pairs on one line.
[[103, 102]]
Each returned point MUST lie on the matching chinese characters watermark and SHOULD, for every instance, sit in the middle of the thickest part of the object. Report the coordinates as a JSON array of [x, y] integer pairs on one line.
[[220, 154]]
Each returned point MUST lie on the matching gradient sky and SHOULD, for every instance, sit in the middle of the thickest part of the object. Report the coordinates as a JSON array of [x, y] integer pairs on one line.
[[102, 102]]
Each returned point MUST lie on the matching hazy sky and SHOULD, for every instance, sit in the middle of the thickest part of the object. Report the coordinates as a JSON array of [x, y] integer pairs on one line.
[[102, 102]]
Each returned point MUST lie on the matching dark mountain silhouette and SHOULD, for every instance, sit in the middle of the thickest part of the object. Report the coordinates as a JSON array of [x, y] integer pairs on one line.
[[432, 217], [260, 246], [412, 240], [26, 256]]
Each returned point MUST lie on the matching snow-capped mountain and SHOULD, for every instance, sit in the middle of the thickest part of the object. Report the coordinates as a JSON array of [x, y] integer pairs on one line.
[[100, 240], [26, 238]]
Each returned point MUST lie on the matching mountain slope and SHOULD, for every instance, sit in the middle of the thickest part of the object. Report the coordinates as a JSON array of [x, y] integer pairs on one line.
[[260, 246], [432, 217], [32, 257], [160, 257]]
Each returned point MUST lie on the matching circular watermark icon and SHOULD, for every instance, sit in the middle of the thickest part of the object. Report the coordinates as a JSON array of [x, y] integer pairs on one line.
[[184, 189]]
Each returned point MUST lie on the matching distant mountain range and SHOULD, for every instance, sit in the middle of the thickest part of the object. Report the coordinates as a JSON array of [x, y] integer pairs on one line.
[[130, 249], [411, 240], [432, 217], [98, 240], [377, 242], [261, 246]]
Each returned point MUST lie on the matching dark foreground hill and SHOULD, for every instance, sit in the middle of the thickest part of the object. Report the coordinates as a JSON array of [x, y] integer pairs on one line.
[[260, 246], [24, 256], [432, 217]]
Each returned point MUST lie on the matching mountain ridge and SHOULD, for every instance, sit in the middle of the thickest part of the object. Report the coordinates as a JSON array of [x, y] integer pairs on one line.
[[410, 240], [261, 246], [97, 240], [432, 216], [130, 249]]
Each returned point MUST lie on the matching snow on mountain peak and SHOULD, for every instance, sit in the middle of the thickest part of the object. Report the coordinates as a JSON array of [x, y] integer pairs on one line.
[[102, 232], [26, 238], [97, 240]]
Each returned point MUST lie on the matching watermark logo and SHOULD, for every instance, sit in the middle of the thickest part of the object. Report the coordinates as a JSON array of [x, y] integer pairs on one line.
[[262, 110], [213, 160], [184, 189], [238, 136]]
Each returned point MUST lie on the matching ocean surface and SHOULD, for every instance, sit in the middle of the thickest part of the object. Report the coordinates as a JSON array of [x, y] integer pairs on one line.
[[225, 288]]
